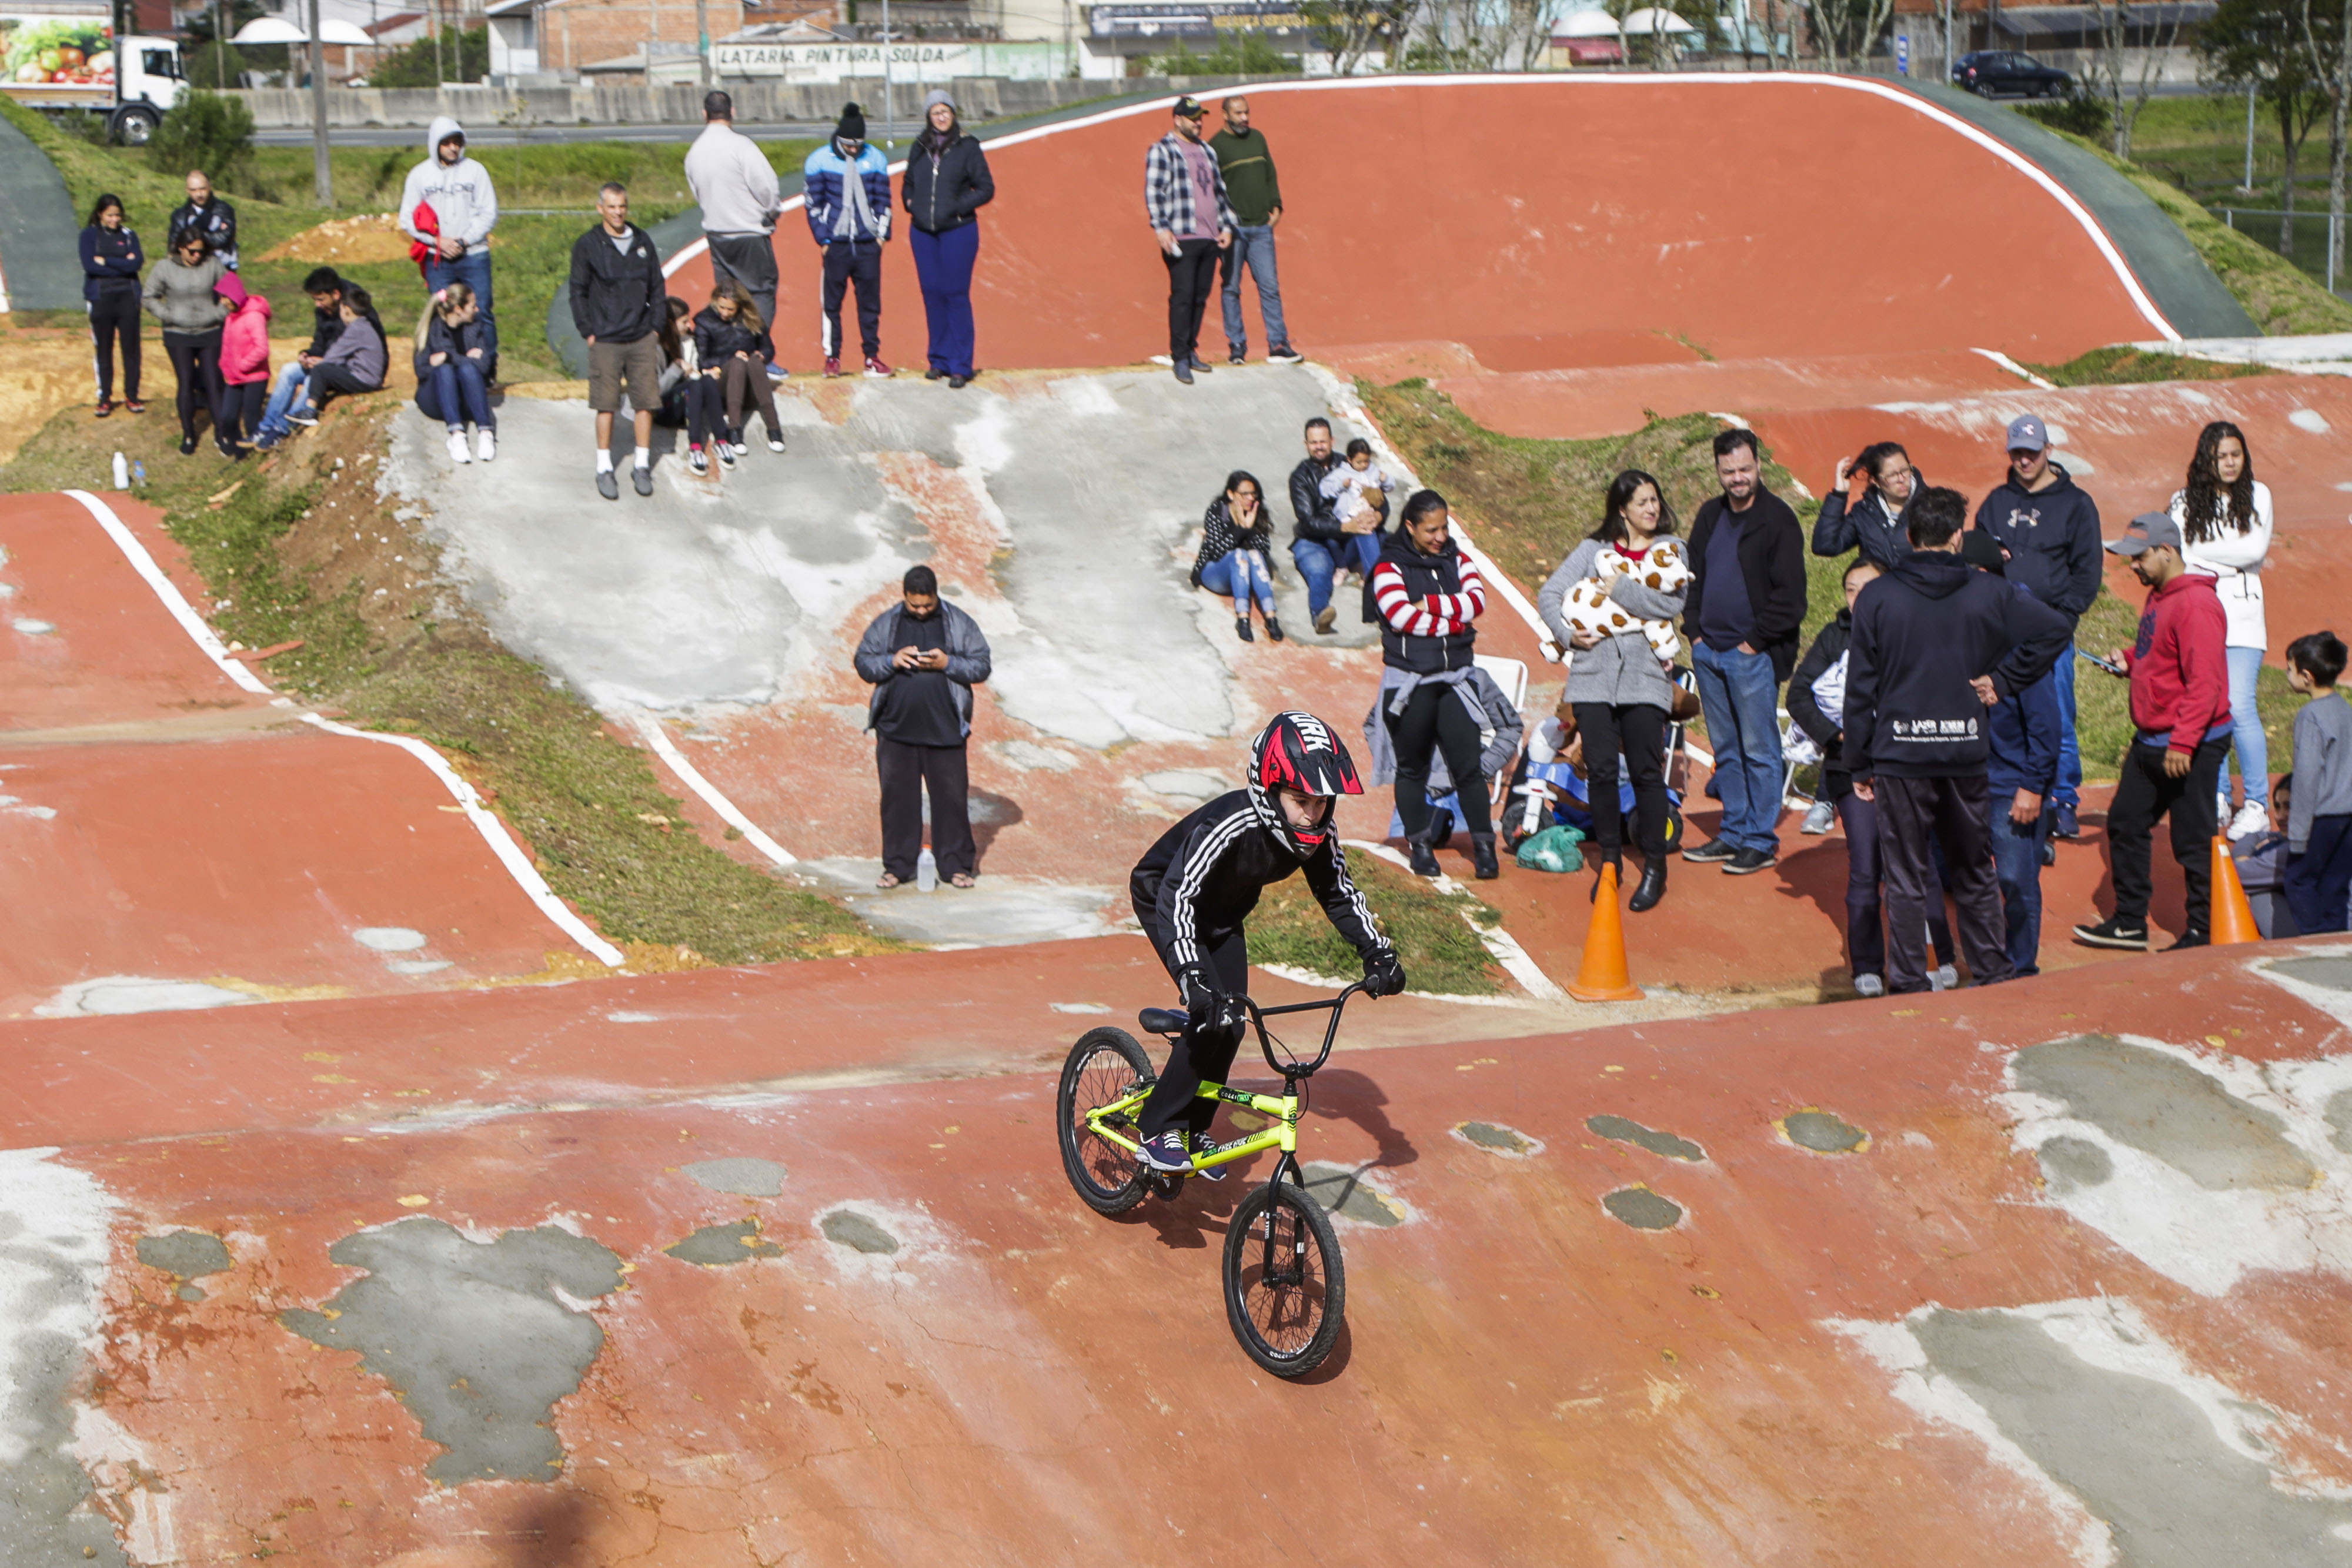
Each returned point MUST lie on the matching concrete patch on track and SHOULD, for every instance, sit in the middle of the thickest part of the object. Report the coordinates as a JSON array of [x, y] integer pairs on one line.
[[1000, 910], [1343, 1191], [111, 996], [719, 1246], [1623, 1129], [478, 1338], [2204, 1166], [2139, 1458], [741, 1177], [187, 1256], [1643, 1209]]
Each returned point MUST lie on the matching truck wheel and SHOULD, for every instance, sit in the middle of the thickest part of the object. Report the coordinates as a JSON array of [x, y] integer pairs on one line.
[[135, 125]]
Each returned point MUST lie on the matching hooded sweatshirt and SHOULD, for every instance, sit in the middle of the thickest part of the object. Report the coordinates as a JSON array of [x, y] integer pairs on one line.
[[245, 342], [2052, 539], [733, 181], [460, 193], [360, 349], [2180, 665], [1921, 633]]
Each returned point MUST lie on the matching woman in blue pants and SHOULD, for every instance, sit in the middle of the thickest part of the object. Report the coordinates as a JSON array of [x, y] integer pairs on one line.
[[947, 183]]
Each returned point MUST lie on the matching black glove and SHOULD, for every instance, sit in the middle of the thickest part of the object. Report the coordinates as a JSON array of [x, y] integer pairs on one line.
[[1213, 1012], [1384, 976]]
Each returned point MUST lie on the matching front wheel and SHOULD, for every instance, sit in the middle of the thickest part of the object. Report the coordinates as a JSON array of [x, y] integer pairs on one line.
[[1285, 1287], [135, 126], [1105, 1066]]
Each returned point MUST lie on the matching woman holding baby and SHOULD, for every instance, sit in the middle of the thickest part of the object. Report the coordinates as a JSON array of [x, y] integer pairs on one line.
[[1611, 605]]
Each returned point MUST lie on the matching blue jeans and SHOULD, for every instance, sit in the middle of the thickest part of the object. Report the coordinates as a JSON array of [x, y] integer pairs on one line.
[[1241, 575], [2017, 865], [463, 394], [1319, 562], [293, 383], [2067, 791], [1737, 691], [474, 272], [1254, 247], [943, 265], [2253, 747]]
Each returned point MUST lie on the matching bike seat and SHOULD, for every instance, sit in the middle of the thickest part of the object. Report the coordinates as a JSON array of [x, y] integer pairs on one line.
[[1164, 1021]]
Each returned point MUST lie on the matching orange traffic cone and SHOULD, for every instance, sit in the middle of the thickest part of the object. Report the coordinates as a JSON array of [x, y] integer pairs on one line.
[[2234, 912], [1602, 976]]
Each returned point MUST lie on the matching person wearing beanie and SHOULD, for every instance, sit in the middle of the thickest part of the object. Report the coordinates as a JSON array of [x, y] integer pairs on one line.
[[947, 183], [1184, 201], [736, 186], [847, 192]]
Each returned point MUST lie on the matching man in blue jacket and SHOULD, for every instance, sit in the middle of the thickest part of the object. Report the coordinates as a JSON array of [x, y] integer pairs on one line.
[[1935, 644], [2022, 736], [2050, 530], [846, 187]]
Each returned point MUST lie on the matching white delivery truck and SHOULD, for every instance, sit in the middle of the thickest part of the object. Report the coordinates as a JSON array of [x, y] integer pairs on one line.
[[64, 56]]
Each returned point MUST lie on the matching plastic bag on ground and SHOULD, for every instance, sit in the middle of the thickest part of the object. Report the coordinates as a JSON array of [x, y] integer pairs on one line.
[[1553, 849]]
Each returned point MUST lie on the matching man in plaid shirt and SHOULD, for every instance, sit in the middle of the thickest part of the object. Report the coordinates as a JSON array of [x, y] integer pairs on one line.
[[1179, 176]]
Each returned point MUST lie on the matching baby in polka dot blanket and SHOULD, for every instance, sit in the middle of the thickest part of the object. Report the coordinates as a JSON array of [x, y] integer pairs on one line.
[[1589, 608]]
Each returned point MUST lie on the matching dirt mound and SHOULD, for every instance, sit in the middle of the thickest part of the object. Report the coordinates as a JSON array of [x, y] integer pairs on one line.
[[369, 236]]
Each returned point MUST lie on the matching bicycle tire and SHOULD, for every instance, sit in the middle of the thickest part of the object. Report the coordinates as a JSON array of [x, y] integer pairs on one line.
[[1287, 1327], [1103, 1066]]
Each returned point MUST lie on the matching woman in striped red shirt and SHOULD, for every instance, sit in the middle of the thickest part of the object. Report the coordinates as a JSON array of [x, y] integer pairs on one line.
[[1428, 596]]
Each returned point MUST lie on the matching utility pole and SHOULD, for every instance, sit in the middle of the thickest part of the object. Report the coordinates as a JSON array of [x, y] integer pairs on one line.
[[2248, 186], [702, 33], [322, 171], [886, 105]]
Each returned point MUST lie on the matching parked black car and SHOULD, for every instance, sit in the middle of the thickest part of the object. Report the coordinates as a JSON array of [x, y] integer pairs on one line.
[[2004, 73]]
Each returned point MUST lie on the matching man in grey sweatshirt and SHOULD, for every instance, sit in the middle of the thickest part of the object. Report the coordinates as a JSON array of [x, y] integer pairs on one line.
[[465, 210], [736, 188]]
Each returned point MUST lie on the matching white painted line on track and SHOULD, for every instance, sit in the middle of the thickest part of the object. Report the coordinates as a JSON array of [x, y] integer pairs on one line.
[[485, 823], [2014, 368], [1514, 959], [667, 749]]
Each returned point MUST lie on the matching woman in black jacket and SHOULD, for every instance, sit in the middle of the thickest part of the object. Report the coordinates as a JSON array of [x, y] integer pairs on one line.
[[1817, 707], [1235, 535], [111, 261], [947, 183], [729, 361]]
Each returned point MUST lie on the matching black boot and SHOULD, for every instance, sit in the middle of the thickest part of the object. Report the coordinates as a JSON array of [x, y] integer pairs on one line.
[[1596, 862], [1654, 885], [1482, 857], [1419, 857]]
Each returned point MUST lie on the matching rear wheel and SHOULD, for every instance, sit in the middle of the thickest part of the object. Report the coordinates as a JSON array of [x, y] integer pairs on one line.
[[134, 125], [1106, 1066], [1286, 1288]]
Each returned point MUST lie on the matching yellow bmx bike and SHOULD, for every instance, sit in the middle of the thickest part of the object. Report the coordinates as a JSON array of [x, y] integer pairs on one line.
[[1285, 1287]]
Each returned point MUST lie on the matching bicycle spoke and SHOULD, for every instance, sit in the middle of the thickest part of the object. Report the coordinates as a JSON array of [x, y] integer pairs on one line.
[[1282, 1287]]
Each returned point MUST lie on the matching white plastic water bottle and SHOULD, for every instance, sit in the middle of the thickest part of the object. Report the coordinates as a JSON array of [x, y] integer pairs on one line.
[[122, 472], [927, 873]]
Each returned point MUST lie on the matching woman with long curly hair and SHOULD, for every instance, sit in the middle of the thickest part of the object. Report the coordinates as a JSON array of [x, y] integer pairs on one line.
[[2224, 513]]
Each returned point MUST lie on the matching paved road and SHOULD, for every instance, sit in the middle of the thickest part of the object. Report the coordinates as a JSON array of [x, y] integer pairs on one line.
[[513, 135]]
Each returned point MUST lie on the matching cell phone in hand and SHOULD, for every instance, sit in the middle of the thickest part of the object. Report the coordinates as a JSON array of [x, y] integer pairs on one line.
[[2107, 665]]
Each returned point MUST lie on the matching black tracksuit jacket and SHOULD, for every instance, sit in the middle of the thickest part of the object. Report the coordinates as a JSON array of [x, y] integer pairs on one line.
[[1201, 879]]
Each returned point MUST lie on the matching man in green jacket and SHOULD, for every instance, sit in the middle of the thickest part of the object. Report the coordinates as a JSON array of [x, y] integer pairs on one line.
[[1255, 192]]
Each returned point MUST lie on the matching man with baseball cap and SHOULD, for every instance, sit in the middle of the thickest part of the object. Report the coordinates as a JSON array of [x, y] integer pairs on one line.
[[1184, 198], [2179, 673], [2051, 532]]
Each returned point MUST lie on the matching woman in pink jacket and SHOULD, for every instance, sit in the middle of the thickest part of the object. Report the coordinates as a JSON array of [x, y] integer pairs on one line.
[[245, 366]]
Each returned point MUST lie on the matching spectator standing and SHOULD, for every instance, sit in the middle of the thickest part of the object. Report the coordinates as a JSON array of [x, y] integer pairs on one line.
[[1617, 685], [245, 366], [946, 184], [2319, 815], [111, 263], [1869, 507], [1817, 707], [846, 187], [1742, 613], [183, 297], [1235, 537], [619, 303], [2224, 515], [1429, 597], [1935, 644], [204, 213], [466, 209], [2179, 678], [1255, 193], [1322, 543], [2021, 736], [2050, 529], [456, 356], [736, 188], [1192, 216], [922, 656]]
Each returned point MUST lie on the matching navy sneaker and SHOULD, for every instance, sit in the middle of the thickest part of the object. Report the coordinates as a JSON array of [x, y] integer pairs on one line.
[[1167, 1152], [1204, 1144], [2063, 824], [1714, 850]]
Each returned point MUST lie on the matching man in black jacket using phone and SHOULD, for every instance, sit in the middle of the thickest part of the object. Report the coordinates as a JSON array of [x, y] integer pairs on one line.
[[1936, 643]]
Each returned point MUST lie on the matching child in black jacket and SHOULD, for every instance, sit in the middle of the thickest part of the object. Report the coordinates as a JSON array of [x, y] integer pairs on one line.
[[727, 337]]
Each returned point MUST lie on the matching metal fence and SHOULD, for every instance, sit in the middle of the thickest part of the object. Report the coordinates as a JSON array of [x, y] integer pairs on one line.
[[2300, 236]]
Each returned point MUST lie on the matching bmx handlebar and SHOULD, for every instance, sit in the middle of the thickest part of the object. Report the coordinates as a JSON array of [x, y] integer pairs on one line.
[[1258, 1016]]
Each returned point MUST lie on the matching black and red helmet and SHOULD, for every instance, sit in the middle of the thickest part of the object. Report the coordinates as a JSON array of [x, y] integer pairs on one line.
[[1297, 751]]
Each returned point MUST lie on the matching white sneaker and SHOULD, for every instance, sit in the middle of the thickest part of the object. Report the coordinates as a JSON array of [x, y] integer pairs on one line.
[[2250, 819], [486, 446], [1869, 986], [459, 451], [1944, 977], [1821, 819]]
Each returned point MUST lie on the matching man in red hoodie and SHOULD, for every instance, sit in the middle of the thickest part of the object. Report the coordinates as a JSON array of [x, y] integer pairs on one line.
[[2180, 714]]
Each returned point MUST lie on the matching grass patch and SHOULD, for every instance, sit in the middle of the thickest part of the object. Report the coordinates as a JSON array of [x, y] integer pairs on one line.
[[306, 550], [1439, 952], [2124, 365]]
